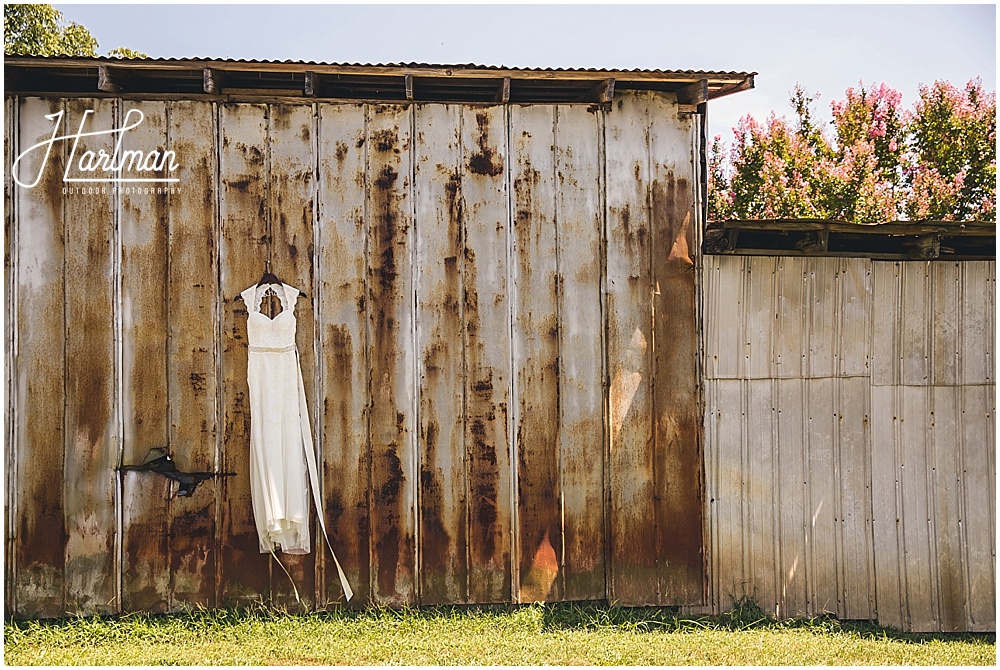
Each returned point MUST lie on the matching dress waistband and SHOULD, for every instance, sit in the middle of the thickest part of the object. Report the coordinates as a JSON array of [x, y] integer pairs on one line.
[[270, 350]]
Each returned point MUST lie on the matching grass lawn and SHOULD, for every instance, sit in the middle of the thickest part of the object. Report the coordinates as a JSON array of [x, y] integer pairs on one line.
[[561, 634]]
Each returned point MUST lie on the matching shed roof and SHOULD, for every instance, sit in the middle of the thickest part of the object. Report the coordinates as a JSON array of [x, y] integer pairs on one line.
[[390, 82]]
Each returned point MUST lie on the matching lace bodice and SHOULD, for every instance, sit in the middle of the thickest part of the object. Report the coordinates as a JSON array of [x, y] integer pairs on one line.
[[263, 331]]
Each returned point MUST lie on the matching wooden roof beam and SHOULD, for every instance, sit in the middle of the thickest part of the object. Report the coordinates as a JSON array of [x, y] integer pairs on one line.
[[212, 80], [111, 80], [744, 85], [693, 94], [503, 92], [604, 91], [310, 86]]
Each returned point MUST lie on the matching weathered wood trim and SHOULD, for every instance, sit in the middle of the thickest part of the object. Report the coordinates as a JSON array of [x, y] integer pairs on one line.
[[503, 92], [212, 81], [947, 228], [603, 92], [693, 94], [110, 80]]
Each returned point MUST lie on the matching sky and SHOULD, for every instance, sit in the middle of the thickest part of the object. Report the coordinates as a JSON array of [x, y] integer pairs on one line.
[[825, 48]]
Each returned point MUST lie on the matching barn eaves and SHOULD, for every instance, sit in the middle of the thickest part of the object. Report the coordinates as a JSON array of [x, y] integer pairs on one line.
[[894, 240], [402, 82]]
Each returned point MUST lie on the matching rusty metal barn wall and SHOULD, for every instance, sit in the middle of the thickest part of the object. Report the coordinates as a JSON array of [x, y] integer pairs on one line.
[[499, 361], [850, 438]]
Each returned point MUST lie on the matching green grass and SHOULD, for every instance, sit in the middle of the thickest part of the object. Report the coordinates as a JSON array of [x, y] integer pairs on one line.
[[562, 634]]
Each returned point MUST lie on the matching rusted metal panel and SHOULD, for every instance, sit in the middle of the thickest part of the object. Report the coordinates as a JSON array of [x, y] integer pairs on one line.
[[676, 405], [791, 508], [243, 178], [932, 326], [581, 357], [853, 445], [536, 354], [977, 435], [39, 434], [291, 203], [823, 308], [192, 354], [914, 336], [439, 224], [854, 343], [798, 534], [886, 522], [487, 335], [937, 534], [726, 490], [146, 501], [91, 428], [788, 343], [629, 329], [819, 462], [977, 349], [852, 486], [761, 316], [342, 268], [945, 321], [391, 323], [945, 463], [723, 289], [788, 459], [764, 575], [885, 305]]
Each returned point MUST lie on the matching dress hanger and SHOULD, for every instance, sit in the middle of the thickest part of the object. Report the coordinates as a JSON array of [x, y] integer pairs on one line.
[[269, 278]]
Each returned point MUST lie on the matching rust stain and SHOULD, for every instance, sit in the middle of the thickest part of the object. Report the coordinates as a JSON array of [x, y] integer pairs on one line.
[[385, 140], [486, 435], [673, 223], [485, 161], [388, 235], [197, 382], [677, 462], [340, 151]]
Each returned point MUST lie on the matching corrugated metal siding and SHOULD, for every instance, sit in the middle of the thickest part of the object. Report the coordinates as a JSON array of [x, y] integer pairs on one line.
[[485, 305], [849, 427]]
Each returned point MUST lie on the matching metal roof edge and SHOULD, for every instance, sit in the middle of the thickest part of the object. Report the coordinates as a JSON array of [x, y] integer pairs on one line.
[[27, 60]]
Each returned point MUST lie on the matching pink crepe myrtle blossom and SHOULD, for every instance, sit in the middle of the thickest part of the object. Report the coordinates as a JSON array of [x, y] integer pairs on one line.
[[934, 161]]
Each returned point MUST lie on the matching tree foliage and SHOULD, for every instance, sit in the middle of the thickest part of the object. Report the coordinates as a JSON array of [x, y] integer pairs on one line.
[[882, 163], [42, 30], [124, 52]]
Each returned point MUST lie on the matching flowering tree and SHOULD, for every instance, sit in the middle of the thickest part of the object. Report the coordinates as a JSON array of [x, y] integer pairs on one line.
[[938, 161], [953, 174]]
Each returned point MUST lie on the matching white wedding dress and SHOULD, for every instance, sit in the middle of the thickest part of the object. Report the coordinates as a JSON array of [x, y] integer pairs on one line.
[[282, 460]]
